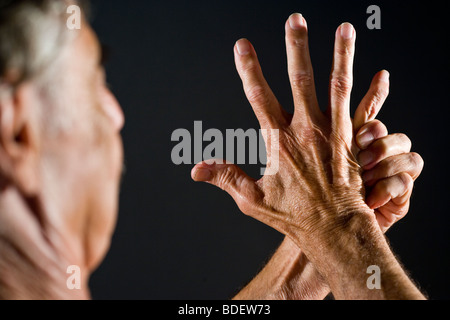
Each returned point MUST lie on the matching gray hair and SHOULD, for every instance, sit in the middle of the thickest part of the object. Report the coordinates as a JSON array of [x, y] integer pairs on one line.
[[32, 33]]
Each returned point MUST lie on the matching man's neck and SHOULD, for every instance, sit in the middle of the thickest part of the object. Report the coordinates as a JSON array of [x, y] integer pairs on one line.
[[30, 266]]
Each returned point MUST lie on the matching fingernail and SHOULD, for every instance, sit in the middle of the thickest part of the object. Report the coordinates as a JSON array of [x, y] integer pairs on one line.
[[367, 176], [371, 202], [296, 21], [384, 77], [347, 31], [243, 47], [365, 138], [202, 175], [366, 158]]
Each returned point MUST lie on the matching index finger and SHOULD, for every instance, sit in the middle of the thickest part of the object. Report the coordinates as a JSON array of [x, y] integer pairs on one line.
[[264, 103]]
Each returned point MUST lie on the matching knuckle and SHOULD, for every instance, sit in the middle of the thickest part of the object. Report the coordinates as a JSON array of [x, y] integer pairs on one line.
[[396, 186], [417, 162], [344, 51], [226, 178], [406, 181], [403, 140], [371, 110], [377, 98], [299, 43], [381, 92], [341, 85], [376, 101], [257, 95], [249, 67], [402, 210], [302, 80]]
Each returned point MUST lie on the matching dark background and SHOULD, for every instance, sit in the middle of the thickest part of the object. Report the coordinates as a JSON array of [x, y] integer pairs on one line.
[[172, 64]]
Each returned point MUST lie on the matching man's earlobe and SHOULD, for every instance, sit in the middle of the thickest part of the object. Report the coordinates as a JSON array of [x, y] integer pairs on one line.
[[18, 137]]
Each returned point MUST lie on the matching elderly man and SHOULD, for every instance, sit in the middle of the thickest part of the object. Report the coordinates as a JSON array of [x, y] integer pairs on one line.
[[61, 160], [60, 152]]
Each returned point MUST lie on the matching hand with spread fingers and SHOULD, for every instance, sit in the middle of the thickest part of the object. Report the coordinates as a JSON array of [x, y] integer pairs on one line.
[[289, 274], [316, 196]]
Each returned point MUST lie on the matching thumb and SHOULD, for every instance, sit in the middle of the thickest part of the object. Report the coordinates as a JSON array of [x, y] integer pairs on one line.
[[232, 179]]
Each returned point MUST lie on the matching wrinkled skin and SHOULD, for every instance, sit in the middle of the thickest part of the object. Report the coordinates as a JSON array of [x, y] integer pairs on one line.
[[318, 192]]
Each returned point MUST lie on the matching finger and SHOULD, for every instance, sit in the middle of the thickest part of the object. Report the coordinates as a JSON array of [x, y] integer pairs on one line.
[[397, 188], [383, 148], [370, 132], [390, 213], [231, 179], [372, 103], [300, 69], [264, 103], [341, 81], [410, 163]]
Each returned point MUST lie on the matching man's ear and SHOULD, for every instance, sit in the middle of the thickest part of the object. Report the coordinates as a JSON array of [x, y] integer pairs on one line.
[[19, 138]]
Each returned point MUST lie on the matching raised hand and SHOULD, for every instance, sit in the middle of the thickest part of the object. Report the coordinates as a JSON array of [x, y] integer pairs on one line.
[[317, 196], [318, 172]]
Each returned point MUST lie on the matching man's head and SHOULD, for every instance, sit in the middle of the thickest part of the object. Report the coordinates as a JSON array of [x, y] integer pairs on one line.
[[60, 146]]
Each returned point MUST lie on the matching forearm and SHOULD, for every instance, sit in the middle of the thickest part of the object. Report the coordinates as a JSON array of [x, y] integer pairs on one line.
[[346, 254], [289, 275]]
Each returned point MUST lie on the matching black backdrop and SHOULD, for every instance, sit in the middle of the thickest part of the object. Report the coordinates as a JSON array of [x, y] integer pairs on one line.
[[172, 64]]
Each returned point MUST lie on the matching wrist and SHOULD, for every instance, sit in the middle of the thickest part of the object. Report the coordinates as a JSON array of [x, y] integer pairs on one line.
[[343, 255], [299, 279], [289, 275], [335, 243]]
